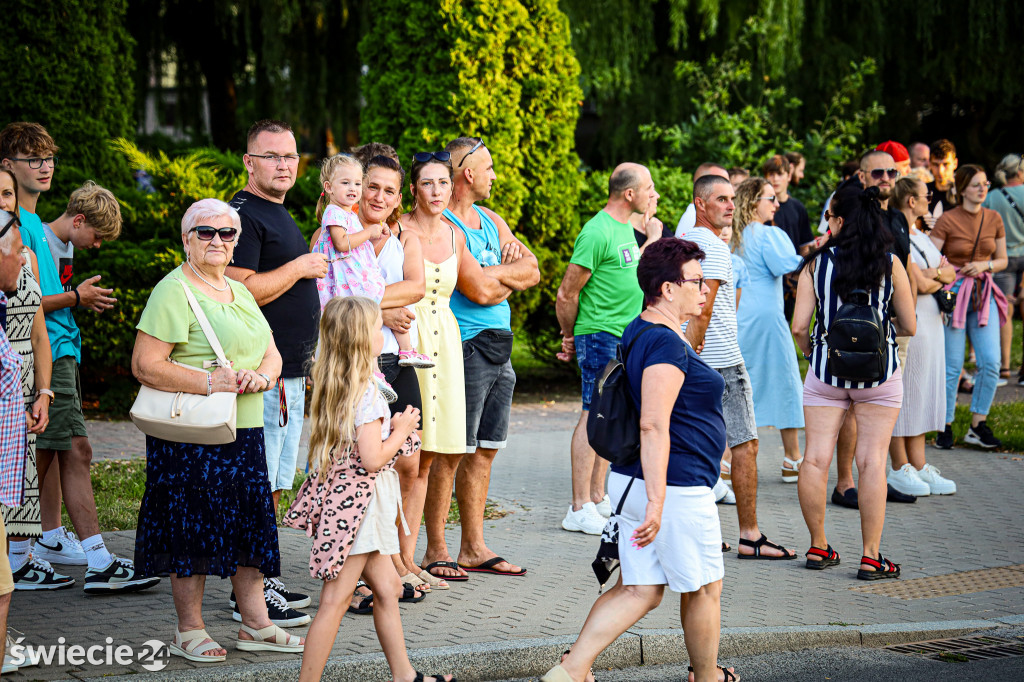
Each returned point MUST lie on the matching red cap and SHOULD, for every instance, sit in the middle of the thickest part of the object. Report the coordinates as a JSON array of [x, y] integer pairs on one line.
[[894, 149]]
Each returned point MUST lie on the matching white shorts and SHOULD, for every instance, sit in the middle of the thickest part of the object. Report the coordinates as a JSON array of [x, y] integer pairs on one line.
[[687, 552], [378, 532]]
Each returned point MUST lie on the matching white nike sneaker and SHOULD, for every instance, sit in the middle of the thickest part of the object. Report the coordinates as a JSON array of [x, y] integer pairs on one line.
[[64, 549], [587, 520]]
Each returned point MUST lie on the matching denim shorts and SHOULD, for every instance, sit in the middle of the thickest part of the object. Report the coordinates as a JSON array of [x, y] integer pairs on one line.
[[1009, 279], [738, 406], [489, 388], [282, 442], [593, 351]]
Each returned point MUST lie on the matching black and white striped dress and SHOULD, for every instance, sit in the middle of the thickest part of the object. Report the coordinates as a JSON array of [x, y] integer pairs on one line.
[[829, 303]]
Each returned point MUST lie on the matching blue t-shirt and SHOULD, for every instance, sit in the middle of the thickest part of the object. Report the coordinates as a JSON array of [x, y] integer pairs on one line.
[[697, 427], [65, 338], [485, 245]]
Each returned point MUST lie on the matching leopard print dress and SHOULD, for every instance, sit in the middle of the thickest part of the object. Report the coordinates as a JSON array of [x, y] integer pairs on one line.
[[332, 511]]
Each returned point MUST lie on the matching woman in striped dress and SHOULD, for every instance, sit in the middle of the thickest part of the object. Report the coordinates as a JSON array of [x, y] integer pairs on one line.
[[857, 257]]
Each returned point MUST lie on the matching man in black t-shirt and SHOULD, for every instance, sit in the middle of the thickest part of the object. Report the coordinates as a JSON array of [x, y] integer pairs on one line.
[[273, 260], [943, 164]]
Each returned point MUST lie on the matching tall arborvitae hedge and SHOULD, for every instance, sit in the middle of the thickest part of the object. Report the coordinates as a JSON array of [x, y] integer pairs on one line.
[[500, 69], [67, 64]]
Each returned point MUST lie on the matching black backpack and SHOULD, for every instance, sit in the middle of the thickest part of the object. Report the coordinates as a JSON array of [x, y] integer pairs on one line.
[[613, 425], [857, 345]]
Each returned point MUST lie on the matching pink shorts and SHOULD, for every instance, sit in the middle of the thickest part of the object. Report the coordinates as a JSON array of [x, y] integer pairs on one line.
[[887, 394]]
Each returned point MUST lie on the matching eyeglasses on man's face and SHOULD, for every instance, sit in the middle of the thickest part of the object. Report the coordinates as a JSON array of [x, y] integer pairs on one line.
[[277, 158], [879, 173], [35, 162]]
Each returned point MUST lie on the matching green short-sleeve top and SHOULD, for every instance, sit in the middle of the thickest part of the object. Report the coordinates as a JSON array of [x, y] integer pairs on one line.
[[240, 327]]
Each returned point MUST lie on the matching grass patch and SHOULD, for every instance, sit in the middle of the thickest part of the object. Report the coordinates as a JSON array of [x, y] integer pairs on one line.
[[491, 511], [538, 379]]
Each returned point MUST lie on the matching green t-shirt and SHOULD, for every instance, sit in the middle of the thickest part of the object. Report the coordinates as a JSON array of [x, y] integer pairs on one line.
[[611, 298], [240, 327]]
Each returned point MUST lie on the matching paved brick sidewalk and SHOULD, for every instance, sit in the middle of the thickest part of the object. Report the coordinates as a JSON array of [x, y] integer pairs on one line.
[[978, 528]]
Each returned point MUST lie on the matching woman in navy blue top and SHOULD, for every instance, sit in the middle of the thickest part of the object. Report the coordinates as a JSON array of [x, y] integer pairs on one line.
[[669, 532], [857, 256]]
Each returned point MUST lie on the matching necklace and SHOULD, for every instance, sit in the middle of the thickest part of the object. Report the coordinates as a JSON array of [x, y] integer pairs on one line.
[[206, 281], [658, 310], [430, 237]]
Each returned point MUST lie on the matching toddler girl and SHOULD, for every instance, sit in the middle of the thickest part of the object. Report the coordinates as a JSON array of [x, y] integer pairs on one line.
[[350, 502], [352, 263]]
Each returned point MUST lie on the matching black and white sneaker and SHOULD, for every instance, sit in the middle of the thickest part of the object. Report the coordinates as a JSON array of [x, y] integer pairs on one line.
[[295, 600], [36, 574], [278, 610], [982, 437], [63, 548], [944, 441], [117, 576]]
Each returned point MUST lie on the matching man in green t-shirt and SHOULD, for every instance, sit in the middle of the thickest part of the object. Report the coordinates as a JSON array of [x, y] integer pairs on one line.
[[598, 297]]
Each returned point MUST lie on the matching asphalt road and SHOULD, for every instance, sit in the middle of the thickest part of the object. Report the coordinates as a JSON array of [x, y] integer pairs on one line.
[[838, 665]]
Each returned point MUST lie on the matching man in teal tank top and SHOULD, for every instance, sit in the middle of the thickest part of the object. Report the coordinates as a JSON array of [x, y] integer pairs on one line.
[[486, 349]]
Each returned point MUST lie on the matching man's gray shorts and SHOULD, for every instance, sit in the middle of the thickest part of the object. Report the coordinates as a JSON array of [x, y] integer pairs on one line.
[[738, 405], [489, 388]]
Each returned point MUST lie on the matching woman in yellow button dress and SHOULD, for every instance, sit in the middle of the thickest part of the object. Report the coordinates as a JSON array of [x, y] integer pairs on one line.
[[442, 387]]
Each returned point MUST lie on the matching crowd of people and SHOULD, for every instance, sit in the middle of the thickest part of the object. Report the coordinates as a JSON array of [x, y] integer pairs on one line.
[[390, 313]]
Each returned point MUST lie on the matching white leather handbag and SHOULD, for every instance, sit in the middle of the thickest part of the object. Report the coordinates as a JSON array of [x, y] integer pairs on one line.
[[189, 417]]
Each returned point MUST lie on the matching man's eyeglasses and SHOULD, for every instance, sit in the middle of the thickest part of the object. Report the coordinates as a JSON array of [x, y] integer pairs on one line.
[[10, 223], [479, 143], [35, 162], [276, 158], [879, 173], [698, 280], [206, 233], [424, 157]]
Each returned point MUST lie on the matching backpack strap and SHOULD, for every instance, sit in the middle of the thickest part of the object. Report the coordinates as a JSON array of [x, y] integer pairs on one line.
[[1012, 202], [636, 338]]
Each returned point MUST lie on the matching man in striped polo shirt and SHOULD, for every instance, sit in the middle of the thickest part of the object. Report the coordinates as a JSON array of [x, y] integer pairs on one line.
[[715, 329]]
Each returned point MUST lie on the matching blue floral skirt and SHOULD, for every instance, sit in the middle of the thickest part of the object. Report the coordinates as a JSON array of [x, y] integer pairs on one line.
[[207, 509]]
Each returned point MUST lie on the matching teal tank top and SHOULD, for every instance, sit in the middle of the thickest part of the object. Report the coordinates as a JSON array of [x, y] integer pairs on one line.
[[485, 246]]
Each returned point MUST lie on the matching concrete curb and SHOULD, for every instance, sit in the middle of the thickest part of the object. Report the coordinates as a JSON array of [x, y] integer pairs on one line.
[[533, 657]]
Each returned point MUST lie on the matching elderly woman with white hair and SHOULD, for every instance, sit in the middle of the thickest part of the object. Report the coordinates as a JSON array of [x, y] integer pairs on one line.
[[207, 509]]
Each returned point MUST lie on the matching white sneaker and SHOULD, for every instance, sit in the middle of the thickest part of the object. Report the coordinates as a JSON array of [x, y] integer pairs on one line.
[[937, 484], [587, 520], [730, 498], [64, 548], [604, 507], [720, 490], [906, 481]]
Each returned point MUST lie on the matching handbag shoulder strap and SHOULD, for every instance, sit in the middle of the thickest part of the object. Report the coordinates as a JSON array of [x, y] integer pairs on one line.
[[204, 323], [918, 249], [1012, 202], [978, 238]]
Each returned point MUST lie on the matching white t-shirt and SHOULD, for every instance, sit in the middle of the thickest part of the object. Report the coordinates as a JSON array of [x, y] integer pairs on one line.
[[391, 260], [688, 220], [721, 342]]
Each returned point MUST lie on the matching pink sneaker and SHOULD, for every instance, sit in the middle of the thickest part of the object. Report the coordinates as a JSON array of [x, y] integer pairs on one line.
[[412, 358], [385, 388]]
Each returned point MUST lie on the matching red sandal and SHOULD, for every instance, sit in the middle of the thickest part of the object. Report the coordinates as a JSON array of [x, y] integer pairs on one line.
[[829, 557], [883, 569]]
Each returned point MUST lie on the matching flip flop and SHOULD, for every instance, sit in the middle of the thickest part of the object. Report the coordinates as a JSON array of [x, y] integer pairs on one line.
[[488, 567], [429, 568]]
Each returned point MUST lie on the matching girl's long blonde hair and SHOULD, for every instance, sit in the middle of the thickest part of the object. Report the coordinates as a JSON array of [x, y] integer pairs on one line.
[[340, 374], [747, 196], [327, 169]]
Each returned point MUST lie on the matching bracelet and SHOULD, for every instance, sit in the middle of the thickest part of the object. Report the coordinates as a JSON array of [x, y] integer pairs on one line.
[[209, 384], [78, 298], [46, 392], [266, 378]]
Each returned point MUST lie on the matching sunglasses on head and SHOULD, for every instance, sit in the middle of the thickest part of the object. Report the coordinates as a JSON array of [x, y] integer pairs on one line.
[[10, 223], [479, 143], [206, 233], [424, 157], [879, 173]]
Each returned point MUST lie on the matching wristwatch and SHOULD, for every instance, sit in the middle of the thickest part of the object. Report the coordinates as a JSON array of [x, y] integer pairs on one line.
[[266, 378], [990, 266]]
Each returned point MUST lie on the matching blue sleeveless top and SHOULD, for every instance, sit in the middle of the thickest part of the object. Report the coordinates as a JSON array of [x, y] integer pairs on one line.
[[827, 307], [485, 246]]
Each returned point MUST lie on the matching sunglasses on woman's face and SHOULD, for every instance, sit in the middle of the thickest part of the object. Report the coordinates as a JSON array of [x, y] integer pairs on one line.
[[206, 233], [424, 157]]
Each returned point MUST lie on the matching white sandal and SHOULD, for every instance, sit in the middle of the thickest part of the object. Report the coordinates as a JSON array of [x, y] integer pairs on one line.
[[791, 475], [270, 638], [416, 582], [190, 645], [434, 581], [726, 474]]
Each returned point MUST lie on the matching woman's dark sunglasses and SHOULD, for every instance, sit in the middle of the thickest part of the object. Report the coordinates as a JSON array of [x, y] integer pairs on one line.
[[424, 157], [206, 233]]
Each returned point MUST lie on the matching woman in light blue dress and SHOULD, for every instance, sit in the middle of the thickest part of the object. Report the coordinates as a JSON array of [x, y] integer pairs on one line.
[[764, 336]]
